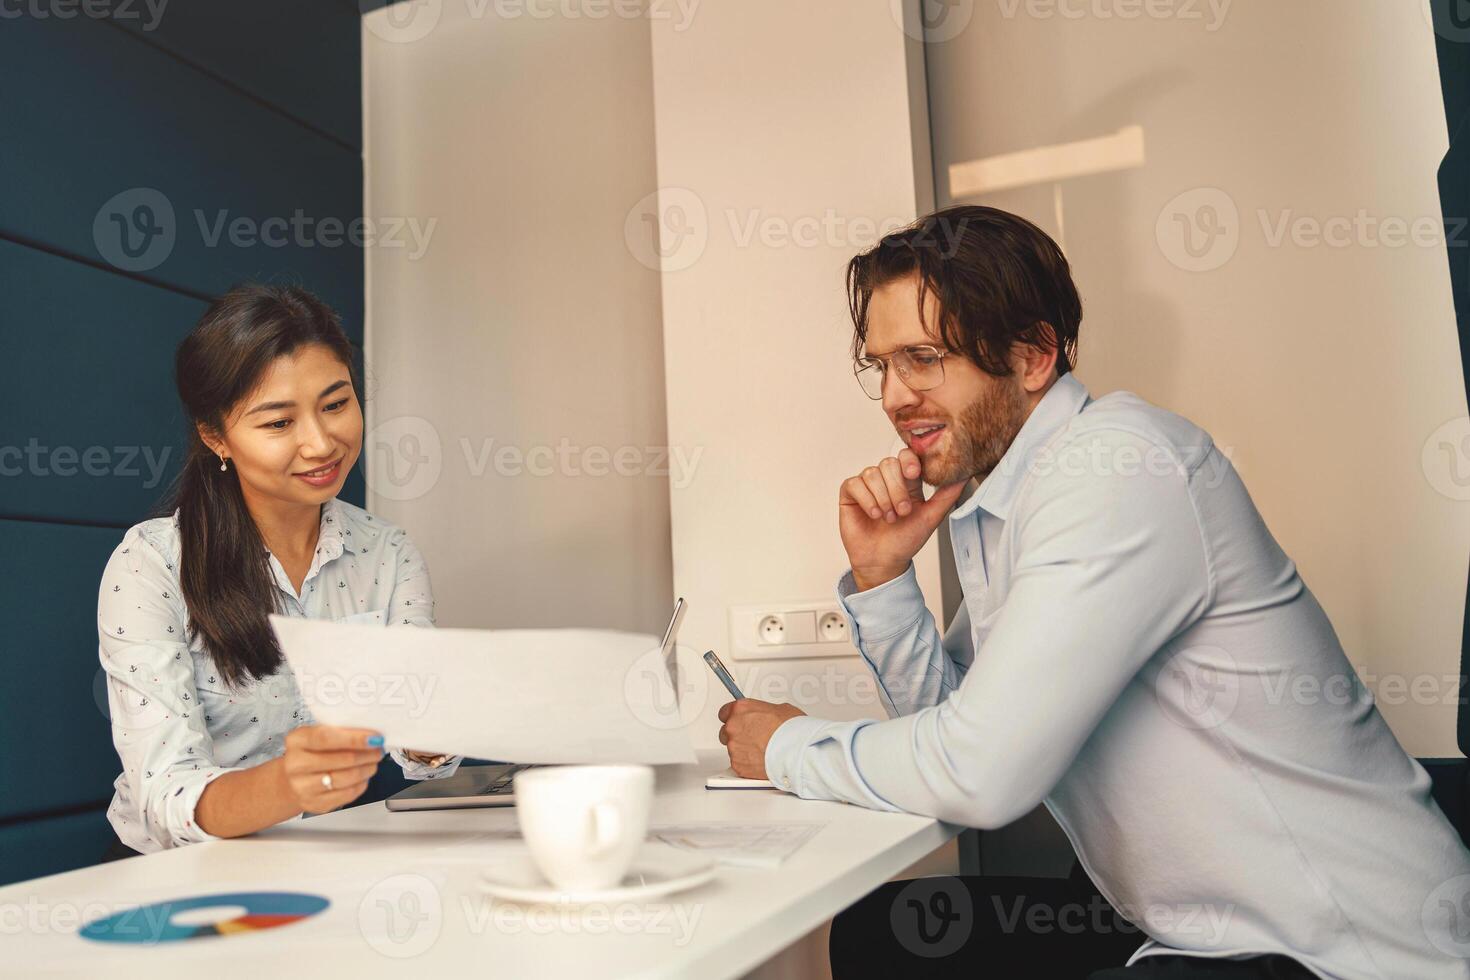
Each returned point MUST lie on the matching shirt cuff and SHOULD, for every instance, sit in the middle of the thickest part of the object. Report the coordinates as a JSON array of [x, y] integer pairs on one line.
[[884, 611], [418, 770], [784, 751], [180, 805]]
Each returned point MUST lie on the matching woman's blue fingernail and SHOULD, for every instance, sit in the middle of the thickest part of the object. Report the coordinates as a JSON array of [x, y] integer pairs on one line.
[[375, 741]]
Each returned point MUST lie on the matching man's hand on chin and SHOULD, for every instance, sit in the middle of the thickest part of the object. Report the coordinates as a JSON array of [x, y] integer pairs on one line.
[[747, 729]]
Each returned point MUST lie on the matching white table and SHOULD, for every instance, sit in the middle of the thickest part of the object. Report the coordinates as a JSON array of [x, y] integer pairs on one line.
[[405, 898]]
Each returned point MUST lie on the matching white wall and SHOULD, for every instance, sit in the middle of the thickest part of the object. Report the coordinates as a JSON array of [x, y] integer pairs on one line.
[[1325, 369], [785, 140], [527, 324]]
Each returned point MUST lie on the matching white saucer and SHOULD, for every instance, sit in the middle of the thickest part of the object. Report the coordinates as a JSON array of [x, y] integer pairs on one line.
[[657, 870]]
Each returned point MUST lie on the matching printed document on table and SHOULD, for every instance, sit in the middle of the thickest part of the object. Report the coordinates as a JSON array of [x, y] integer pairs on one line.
[[542, 696], [749, 845]]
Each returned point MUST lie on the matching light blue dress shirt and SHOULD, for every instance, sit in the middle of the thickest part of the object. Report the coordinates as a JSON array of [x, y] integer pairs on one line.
[[1136, 652], [175, 723]]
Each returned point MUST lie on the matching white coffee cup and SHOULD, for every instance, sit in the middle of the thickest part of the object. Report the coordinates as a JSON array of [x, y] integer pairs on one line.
[[584, 824]]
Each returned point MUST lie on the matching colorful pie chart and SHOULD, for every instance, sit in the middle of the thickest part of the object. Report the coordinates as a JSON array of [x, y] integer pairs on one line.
[[189, 918]]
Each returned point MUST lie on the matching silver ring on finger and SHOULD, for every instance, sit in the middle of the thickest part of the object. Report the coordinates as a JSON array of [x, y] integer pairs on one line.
[[327, 780]]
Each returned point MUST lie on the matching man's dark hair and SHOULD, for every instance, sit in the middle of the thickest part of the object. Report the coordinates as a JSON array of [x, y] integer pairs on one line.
[[999, 280]]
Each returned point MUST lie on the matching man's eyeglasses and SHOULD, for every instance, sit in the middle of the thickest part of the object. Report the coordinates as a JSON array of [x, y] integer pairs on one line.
[[919, 367]]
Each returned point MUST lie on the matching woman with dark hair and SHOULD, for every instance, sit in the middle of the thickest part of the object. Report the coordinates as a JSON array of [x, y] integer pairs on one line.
[[214, 737]]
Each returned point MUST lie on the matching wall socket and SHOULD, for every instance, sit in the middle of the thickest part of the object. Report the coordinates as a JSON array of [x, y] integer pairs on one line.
[[786, 630]]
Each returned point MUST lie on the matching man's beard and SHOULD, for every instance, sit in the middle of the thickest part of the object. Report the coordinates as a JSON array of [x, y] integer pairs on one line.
[[981, 435]]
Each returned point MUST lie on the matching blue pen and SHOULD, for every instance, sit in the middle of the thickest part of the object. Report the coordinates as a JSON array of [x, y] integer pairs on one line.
[[723, 675]]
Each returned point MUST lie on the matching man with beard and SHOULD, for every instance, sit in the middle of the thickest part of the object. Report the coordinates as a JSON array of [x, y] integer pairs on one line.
[[1134, 650]]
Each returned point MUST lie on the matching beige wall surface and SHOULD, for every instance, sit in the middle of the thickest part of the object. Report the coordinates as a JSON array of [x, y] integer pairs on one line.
[[1275, 271], [785, 143], [516, 388]]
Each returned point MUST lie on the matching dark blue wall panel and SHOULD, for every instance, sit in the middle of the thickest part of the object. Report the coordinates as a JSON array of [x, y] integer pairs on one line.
[[128, 157], [116, 144], [43, 847], [90, 426], [52, 692], [308, 64]]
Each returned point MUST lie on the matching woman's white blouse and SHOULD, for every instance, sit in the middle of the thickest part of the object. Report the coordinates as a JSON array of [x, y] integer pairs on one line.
[[176, 725]]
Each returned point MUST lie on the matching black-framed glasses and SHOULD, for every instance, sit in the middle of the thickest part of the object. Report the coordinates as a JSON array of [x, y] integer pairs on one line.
[[920, 367]]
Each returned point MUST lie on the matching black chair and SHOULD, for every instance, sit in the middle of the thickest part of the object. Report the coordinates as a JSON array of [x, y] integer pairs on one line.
[[1452, 776]]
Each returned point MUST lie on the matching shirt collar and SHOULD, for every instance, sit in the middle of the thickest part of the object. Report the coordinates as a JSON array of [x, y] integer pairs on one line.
[[1064, 400], [334, 536]]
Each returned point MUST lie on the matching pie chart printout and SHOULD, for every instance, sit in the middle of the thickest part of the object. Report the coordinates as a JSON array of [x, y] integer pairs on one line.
[[204, 916]]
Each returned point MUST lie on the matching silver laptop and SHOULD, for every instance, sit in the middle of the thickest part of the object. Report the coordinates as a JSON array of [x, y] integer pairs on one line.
[[493, 785]]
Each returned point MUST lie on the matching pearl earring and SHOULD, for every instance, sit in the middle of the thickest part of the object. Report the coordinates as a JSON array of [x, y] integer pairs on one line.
[[222, 466]]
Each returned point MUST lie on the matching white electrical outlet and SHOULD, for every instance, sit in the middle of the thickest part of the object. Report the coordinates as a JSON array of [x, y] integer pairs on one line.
[[832, 628], [781, 630]]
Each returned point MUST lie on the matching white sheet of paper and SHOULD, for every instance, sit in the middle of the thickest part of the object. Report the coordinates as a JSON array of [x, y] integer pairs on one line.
[[749, 845], [547, 696]]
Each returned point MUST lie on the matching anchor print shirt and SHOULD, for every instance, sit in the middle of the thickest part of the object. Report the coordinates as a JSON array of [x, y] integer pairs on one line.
[[176, 725]]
